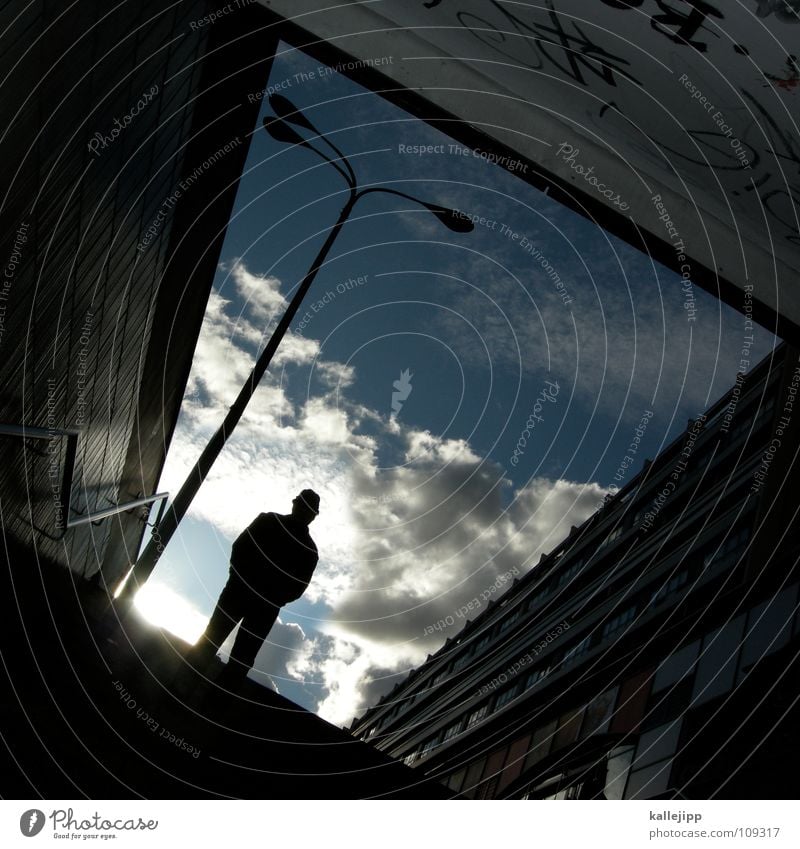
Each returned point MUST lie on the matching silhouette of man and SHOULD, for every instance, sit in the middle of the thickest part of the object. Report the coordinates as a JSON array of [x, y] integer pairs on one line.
[[272, 562]]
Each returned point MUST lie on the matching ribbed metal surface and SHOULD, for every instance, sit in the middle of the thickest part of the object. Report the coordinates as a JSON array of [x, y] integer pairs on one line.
[[76, 291]]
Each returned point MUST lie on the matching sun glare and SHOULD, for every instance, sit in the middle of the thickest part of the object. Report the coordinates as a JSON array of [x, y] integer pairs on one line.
[[163, 607]]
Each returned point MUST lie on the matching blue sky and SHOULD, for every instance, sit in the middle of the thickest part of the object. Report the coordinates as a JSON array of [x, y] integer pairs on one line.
[[423, 509]]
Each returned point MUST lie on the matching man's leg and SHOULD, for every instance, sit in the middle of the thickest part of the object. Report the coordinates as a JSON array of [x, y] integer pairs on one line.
[[229, 610], [257, 623]]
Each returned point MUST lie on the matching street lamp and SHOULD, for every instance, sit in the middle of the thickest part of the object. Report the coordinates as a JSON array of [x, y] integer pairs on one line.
[[279, 128]]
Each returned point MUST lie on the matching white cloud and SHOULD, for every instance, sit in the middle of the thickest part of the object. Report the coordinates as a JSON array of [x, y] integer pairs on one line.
[[335, 375], [260, 293], [401, 546], [325, 423], [285, 641]]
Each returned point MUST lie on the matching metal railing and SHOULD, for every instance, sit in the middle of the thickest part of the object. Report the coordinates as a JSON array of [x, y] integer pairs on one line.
[[65, 497]]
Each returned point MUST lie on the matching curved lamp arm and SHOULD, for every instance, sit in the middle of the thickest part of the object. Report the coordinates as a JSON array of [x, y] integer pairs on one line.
[[453, 219], [285, 109], [282, 132]]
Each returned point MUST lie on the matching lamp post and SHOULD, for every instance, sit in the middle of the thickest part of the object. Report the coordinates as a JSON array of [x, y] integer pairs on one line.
[[279, 128]]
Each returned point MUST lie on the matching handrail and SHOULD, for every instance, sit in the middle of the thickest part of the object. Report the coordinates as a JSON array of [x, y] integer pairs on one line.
[[72, 434], [36, 432], [117, 508], [65, 497]]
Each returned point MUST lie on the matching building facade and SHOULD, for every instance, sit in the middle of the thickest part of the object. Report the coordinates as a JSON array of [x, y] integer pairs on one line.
[[126, 132], [653, 653]]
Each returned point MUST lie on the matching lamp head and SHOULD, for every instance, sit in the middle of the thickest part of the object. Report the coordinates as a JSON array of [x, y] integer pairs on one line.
[[454, 220], [282, 132], [284, 108]]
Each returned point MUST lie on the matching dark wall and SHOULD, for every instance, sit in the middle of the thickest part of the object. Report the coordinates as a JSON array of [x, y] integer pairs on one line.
[[108, 109]]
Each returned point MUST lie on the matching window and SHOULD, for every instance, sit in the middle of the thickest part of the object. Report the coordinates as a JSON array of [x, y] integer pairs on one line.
[[576, 651], [453, 730], [627, 497], [671, 586], [406, 702], [482, 643], [744, 426], [763, 409], [618, 766], [537, 597], [615, 534], [657, 744], [477, 715], [751, 419], [676, 667], [726, 553], [488, 788], [429, 746], [571, 792], [570, 573], [462, 661], [716, 666], [702, 460], [535, 676], [543, 589], [509, 621], [409, 759], [506, 696], [619, 621], [438, 678]]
